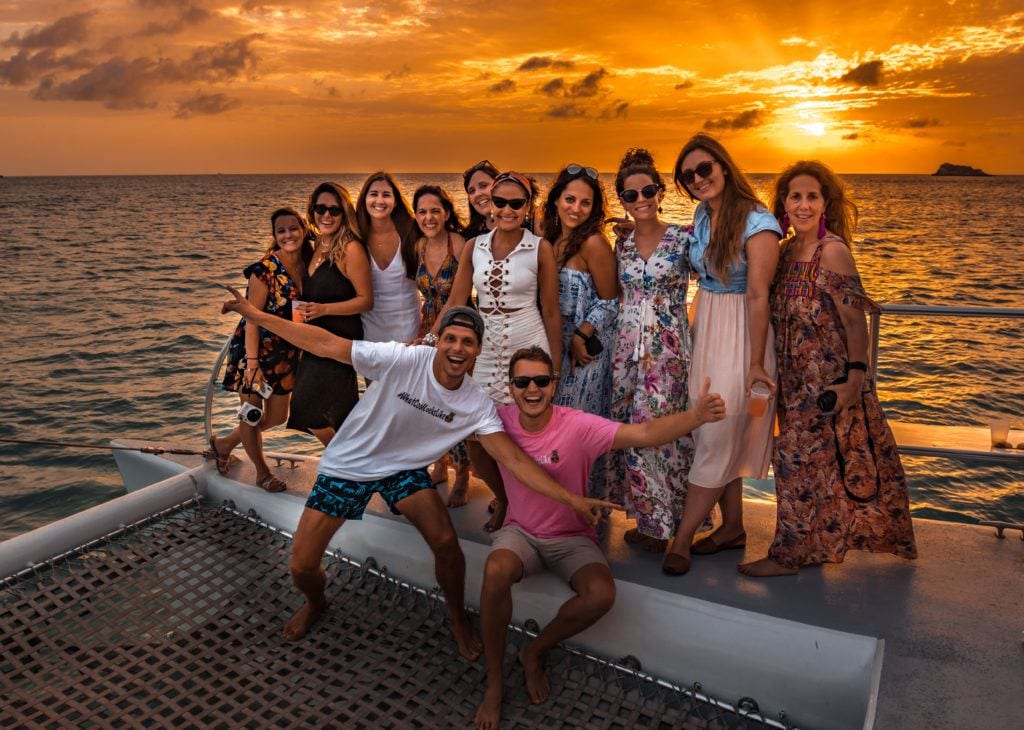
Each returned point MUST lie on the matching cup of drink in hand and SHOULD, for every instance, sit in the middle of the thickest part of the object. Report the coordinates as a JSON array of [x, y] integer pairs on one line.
[[757, 404], [297, 313]]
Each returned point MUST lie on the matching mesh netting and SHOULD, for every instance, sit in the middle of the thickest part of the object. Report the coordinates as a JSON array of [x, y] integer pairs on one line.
[[177, 623]]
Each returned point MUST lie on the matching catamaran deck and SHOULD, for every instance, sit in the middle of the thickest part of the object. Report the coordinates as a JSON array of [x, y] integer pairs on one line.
[[951, 621]]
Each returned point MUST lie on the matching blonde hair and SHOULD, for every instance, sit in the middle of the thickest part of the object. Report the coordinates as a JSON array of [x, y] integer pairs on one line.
[[347, 231]]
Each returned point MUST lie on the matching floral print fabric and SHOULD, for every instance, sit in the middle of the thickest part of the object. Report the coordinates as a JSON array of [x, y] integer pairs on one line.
[[278, 359], [649, 378], [839, 481]]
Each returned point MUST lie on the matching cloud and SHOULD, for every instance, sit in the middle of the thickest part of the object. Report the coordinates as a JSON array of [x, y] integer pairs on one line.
[[205, 104], [921, 123], [589, 85], [852, 135], [502, 87], [190, 15], [535, 63], [688, 84], [398, 73], [744, 120], [797, 41], [120, 83], [866, 74], [553, 87], [568, 110], [618, 109], [25, 67], [62, 32]]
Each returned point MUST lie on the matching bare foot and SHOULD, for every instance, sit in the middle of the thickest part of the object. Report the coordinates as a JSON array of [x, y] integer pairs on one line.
[[466, 638], [497, 518], [537, 684], [305, 617], [460, 490], [489, 712], [765, 568]]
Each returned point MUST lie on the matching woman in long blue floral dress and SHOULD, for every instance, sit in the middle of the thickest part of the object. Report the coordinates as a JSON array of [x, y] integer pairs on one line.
[[652, 354], [588, 291]]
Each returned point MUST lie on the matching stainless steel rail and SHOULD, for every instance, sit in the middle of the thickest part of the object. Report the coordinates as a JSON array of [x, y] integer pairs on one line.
[[211, 388]]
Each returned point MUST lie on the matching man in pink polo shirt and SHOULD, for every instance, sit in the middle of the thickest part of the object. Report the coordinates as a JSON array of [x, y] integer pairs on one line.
[[540, 533]]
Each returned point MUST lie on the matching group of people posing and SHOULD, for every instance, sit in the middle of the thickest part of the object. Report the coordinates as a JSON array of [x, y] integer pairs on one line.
[[577, 381]]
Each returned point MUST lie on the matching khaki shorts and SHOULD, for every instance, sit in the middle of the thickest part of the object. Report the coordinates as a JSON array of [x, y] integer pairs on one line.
[[561, 555]]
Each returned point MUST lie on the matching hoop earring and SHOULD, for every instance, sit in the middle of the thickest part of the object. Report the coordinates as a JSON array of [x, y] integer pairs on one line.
[[821, 227]]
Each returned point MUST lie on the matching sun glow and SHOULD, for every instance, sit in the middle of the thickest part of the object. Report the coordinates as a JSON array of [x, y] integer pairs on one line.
[[815, 129]]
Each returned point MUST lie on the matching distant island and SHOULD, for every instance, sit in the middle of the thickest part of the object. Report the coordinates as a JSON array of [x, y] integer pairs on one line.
[[948, 168]]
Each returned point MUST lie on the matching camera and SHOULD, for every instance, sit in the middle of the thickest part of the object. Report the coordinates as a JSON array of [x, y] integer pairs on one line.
[[250, 413]]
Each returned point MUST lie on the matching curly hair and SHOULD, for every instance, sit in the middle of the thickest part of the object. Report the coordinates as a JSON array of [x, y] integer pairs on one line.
[[552, 223], [840, 211]]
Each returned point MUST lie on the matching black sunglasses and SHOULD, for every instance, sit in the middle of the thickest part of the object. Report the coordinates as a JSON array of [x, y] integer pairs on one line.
[[575, 169], [513, 203], [523, 381], [703, 169], [648, 191], [334, 210]]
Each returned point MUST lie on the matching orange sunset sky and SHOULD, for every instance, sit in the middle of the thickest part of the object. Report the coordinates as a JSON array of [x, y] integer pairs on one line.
[[203, 86]]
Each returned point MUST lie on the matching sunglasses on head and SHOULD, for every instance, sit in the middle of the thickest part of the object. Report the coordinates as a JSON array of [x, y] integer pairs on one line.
[[334, 210], [523, 381], [575, 169], [648, 191], [703, 169], [513, 203]]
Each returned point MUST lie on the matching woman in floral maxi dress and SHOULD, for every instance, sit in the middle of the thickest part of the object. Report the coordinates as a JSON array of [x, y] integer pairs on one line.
[[652, 355], [838, 478]]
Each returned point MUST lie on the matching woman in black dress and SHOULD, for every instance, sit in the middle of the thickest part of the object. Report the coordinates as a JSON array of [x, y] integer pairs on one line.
[[336, 289]]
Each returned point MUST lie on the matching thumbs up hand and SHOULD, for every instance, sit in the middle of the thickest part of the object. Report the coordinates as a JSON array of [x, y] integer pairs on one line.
[[710, 406]]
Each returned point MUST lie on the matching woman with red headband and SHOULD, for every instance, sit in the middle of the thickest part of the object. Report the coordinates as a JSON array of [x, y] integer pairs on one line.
[[512, 270]]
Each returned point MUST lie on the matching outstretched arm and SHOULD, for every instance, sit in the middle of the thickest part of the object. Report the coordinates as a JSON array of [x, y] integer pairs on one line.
[[710, 407], [304, 336], [526, 470]]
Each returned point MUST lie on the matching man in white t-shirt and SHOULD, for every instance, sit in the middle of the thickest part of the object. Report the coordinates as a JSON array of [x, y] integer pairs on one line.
[[420, 405], [540, 533]]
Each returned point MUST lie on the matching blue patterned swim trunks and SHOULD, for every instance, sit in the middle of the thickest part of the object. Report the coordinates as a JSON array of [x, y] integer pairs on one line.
[[348, 499]]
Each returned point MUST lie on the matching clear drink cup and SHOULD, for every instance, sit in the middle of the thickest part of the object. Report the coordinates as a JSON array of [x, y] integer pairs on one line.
[[1000, 428], [297, 311], [757, 404]]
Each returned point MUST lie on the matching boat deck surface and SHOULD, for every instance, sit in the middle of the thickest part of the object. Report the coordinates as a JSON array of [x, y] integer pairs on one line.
[[952, 620]]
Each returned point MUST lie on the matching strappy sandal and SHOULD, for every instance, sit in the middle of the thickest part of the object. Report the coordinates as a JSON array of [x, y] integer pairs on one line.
[[223, 460], [270, 483], [707, 545]]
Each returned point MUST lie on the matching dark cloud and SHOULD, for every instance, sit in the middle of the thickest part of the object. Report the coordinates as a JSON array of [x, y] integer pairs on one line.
[[553, 87], [744, 120], [25, 67], [566, 111], [535, 63], [684, 85], [205, 104], [502, 87], [188, 16], [589, 85], [921, 123], [866, 74], [851, 136], [618, 109], [400, 73], [62, 32], [128, 84]]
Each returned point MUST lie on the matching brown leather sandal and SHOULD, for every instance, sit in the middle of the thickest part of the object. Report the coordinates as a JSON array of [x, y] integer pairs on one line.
[[675, 564], [707, 546], [270, 483]]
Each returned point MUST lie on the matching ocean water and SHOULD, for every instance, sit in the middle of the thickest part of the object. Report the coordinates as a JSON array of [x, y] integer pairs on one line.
[[111, 325]]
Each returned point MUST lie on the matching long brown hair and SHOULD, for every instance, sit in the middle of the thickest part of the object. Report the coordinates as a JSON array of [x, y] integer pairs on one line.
[[307, 234], [349, 228], [552, 224], [738, 200], [840, 211], [401, 216]]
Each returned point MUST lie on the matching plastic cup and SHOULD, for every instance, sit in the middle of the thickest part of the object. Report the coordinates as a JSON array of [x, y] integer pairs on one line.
[[757, 404], [1000, 428], [296, 312]]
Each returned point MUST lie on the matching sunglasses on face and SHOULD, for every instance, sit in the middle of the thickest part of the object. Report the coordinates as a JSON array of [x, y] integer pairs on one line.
[[575, 169], [648, 191], [513, 203], [703, 169], [523, 381], [334, 210]]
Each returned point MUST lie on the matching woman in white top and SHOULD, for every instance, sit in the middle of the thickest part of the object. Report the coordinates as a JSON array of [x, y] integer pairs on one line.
[[512, 270], [390, 235]]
